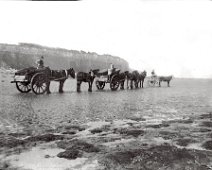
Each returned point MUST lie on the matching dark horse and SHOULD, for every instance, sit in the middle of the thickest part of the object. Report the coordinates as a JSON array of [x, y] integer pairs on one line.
[[164, 78], [142, 76], [59, 76], [86, 77], [132, 77], [121, 78]]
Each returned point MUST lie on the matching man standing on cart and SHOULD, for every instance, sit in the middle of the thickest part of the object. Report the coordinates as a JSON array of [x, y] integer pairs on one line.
[[40, 63], [110, 71], [153, 73], [154, 76]]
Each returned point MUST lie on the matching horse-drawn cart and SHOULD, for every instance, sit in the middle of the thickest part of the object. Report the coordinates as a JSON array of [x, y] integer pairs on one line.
[[102, 78], [153, 81], [31, 79], [38, 80]]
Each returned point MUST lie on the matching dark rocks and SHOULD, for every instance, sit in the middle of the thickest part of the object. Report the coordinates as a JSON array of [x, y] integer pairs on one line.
[[104, 128], [75, 127], [184, 141], [208, 145], [70, 154], [168, 135], [47, 156], [70, 132], [122, 157], [163, 156], [206, 116], [207, 123], [69, 129], [203, 130], [97, 130], [158, 125], [18, 134], [183, 121], [78, 145], [45, 138], [138, 119], [130, 132], [5, 165], [75, 148], [10, 142]]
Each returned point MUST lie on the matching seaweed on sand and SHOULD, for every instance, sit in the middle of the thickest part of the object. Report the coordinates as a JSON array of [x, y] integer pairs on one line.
[[206, 116], [207, 123], [163, 156], [184, 141], [104, 128], [10, 141], [75, 148], [78, 145], [70, 154], [208, 145], [45, 138], [130, 132]]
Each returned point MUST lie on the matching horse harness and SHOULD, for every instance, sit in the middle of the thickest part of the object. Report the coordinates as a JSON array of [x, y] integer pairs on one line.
[[54, 74]]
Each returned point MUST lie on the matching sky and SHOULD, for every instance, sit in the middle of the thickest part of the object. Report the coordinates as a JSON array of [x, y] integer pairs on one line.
[[172, 37]]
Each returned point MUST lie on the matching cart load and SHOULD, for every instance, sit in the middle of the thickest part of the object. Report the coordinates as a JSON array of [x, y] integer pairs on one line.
[[31, 78], [102, 78]]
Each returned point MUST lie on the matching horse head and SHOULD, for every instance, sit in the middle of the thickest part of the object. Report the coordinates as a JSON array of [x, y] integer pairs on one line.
[[93, 72], [71, 72], [135, 75], [127, 74], [171, 77], [144, 73]]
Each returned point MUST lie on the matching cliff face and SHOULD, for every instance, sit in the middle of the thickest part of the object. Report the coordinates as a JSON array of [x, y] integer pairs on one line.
[[24, 55]]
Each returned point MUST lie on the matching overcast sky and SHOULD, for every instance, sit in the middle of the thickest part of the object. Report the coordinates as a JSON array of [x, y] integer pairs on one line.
[[169, 36]]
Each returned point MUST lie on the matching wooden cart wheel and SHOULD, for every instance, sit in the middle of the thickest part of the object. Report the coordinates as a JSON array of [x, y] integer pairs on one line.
[[152, 83], [100, 85], [114, 83], [23, 87], [39, 83]]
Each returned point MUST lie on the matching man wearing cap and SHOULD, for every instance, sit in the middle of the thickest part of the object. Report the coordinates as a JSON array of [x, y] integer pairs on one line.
[[40, 62]]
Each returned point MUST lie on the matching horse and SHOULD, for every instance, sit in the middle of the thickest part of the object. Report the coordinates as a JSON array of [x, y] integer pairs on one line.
[[86, 77], [59, 76], [132, 77], [164, 78], [142, 76], [121, 77]]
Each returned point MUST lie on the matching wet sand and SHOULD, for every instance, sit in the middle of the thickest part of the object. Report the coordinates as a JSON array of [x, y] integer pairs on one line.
[[177, 136]]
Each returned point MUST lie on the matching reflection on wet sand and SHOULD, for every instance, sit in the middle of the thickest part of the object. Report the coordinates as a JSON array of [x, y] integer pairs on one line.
[[149, 128]]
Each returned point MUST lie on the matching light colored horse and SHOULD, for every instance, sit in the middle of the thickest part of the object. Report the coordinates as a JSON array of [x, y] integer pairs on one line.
[[165, 79]]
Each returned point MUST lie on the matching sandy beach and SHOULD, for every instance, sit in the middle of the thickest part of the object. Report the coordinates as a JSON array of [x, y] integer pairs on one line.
[[151, 128]]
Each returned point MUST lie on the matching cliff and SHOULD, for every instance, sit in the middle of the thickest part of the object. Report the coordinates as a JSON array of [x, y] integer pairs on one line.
[[25, 54]]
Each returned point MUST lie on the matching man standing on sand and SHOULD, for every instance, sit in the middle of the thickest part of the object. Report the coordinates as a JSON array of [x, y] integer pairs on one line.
[[40, 63]]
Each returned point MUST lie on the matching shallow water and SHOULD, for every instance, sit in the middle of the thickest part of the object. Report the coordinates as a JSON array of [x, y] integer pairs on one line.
[[185, 98], [43, 157]]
